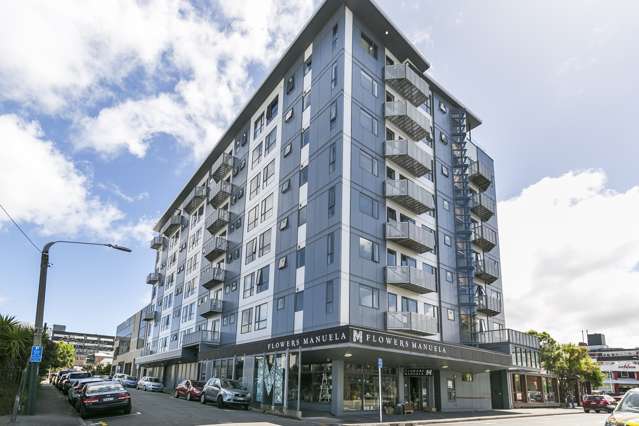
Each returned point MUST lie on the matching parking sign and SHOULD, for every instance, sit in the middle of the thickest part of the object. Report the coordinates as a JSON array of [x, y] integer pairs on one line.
[[36, 353], [380, 363]]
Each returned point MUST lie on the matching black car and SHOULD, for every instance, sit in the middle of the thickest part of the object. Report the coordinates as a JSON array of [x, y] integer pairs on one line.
[[101, 397], [68, 381]]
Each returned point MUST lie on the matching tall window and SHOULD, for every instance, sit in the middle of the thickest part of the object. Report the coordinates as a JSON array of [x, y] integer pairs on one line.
[[368, 206], [265, 243], [331, 201], [368, 45], [247, 319], [334, 39], [368, 163], [329, 297], [262, 279], [332, 157], [301, 257], [254, 186], [409, 305], [251, 250], [268, 173], [267, 207], [270, 141], [258, 126], [368, 122], [256, 155], [261, 312], [333, 114], [299, 301], [308, 65], [306, 100], [306, 137], [368, 296], [271, 110], [301, 216], [253, 216], [367, 82], [368, 249], [303, 175], [392, 302], [330, 248], [249, 285], [334, 76]]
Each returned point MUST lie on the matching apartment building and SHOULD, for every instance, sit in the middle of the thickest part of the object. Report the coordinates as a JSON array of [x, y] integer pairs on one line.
[[86, 344], [130, 339], [346, 218]]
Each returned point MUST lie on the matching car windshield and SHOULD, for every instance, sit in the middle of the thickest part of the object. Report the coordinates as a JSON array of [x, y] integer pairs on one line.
[[79, 375], [630, 403], [131, 378], [231, 384], [153, 379], [104, 388]]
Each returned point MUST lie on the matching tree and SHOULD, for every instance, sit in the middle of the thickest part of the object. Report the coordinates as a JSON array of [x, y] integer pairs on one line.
[[15, 343]]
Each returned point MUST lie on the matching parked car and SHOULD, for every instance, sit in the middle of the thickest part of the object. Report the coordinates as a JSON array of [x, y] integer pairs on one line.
[[66, 384], [60, 382], [57, 376], [598, 403], [225, 392], [149, 383], [189, 389], [78, 384], [118, 376], [127, 381], [103, 396], [627, 411]]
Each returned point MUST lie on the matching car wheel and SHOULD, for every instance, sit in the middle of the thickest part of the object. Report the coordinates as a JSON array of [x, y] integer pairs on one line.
[[177, 395], [83, 412], [586, 411], [203, 398], [188, 396], [246, 407], [144, 388], [127, 409], [220, 402], [597, 411]]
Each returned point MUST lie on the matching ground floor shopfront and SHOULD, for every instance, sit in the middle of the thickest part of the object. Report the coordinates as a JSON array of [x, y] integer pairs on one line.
[[336, 371], [532, 389]]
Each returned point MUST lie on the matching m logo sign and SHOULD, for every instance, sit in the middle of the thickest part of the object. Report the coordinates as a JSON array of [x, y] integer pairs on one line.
[[358, 336]]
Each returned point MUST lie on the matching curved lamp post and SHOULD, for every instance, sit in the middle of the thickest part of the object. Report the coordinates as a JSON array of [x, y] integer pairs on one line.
[[34, 367]]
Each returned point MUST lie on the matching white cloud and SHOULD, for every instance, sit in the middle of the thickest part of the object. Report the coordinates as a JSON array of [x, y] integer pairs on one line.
[[116, 190], [71, 54], [39, 185], [569, 250]]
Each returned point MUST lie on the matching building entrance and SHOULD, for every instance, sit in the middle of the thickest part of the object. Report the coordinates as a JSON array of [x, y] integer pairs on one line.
[[417, 391]]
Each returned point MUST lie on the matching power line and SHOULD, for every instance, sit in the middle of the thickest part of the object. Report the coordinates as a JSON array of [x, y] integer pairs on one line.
[[38, 249]]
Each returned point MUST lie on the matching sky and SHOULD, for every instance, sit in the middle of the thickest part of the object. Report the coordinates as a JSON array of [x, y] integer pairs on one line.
[[107, 108]]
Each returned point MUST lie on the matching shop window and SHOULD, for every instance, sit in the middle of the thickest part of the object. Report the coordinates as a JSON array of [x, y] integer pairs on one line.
[[450, 389]]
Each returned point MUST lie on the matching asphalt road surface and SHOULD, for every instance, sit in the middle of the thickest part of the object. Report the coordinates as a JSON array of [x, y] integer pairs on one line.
[[578, 419]]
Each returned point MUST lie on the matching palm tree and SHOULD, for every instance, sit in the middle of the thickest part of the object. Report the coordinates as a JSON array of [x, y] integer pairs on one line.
[[15, 341]]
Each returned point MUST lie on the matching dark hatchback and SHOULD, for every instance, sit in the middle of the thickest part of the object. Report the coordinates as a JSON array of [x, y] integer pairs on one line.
[[102, 397]]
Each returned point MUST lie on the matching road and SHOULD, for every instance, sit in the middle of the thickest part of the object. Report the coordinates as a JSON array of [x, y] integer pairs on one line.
[[579, 419]]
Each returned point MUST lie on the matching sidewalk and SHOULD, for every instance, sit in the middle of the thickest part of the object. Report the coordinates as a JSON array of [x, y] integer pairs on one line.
[[52, 409], [440, 418]]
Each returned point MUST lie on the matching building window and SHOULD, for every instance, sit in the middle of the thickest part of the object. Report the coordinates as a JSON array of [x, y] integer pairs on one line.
[[252, 219], [303, 175], [267, 207], [409, 305], [451, 314], [306, 100], [332, 158], [281, 303], [331, 201], [368, 45], [271, 110], [306, 137], [447, 240], [268, 173], [449, 276], [368, 250], [368, 206], [254, 186], [368, 296], [333, 114], [334, 39], [330, 248], [290, 84], [262, 279], [368, 163], [247, 319], [446, 204], [249, 285], [301, 216], [329, 297], [368, 122], [444, 170], [269, 142], [450, 388], [301, 257], [258, 126], [251, 250], [367, 82], [392, 302], [334, 76], [308, 65], [261, 312], [265, 243], [299, 301]]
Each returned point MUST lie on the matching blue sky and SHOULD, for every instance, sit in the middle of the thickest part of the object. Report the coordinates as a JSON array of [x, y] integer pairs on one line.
[[106, 110]]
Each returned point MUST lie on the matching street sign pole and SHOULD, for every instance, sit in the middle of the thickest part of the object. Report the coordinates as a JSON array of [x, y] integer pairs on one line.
[[380, 364]]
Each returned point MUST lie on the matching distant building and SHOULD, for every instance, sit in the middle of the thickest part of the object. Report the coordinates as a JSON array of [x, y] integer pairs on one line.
[[130, 338], [620, 365], [86, 344]]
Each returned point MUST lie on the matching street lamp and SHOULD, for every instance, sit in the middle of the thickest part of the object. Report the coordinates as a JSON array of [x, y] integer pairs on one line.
[[34, 367]]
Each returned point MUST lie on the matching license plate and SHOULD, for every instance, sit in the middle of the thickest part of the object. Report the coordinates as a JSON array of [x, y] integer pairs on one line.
[[108, 399]]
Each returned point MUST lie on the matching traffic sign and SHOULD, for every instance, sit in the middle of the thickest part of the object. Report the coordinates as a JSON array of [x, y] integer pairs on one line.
[[380, 363], [36, 353]]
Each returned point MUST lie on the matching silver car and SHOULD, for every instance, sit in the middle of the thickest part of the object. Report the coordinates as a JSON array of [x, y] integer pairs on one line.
[[225, 392], [150, 383], [76, 386]]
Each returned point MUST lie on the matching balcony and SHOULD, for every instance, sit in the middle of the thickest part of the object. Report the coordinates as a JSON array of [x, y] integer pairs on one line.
[[411, 278], [480, 174], [210, 307], [157, 242], [490, 306], [220, 193], [195, 197], [154, 278], [214, 247], [410, 195], [149, 314], [483, 206], [201, 337], [410, 235], [409, 156], [484, 236], [487, 269], [407, 83], [507, 336], [409, 119], [218, 220], [173, 224], [222, 166], [411, 322], [212, 276]]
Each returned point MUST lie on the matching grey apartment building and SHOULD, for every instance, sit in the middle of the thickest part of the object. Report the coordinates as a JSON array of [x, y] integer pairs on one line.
[[346, 215], [130, 340]]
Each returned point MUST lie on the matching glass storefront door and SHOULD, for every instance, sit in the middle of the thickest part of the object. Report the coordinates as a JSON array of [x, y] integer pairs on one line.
[[416, 391]]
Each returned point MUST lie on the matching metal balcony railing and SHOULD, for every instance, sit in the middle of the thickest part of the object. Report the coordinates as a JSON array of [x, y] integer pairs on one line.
[[488, 305], [212, 276], [222, 166], [157, 242], [412, 121], [149, 314], [411, 278], [201, 337], [507, 335], [154, 278], [210, 307], [483, 206], [487, 269], [481, 174], [195, 197], [214, 247], [218, 220], [411, 322], [220, 193], [409, 156], [484, 236], [410, 195], [173, 224], [408, 83], [410, 235]]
